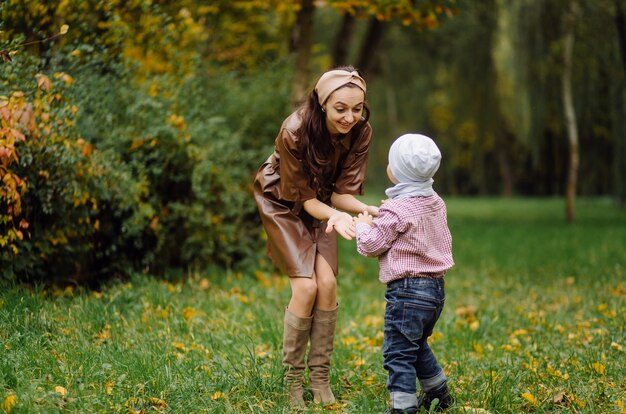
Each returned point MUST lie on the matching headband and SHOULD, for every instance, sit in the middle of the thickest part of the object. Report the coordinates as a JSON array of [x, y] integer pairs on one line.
[[333, 80]]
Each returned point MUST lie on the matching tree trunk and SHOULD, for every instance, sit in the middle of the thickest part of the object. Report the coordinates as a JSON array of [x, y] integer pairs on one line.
[[343, 40], [620, 25], [370, 45], [619, 127], [504, 165], [570, 114], [301, 42]]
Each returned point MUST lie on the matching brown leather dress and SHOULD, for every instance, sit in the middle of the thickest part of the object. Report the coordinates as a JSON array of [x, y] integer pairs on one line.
[[281, 187]]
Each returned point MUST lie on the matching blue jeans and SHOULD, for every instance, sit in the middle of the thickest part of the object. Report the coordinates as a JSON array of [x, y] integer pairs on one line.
[[413, 307]]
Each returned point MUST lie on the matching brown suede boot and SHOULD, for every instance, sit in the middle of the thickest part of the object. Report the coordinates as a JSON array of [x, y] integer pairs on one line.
[[295, 340], [322, 338]]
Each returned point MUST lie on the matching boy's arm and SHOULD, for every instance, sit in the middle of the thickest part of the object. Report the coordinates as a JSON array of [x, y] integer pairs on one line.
[[374, 238]]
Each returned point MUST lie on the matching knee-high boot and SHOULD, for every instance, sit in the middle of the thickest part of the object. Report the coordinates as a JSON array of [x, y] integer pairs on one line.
[[295, 341], [322, 339]]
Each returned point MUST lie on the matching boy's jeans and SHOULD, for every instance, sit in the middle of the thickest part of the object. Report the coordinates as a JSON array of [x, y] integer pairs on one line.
[[413, 307]]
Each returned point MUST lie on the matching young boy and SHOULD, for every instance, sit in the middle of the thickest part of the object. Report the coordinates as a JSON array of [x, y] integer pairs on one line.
[[413, 244]]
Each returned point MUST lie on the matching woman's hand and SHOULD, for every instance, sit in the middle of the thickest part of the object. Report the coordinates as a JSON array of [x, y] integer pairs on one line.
[[372, 210], [343, 224]]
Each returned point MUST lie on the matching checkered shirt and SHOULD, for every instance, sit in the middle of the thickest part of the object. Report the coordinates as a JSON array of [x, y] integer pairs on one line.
[[410, 237]]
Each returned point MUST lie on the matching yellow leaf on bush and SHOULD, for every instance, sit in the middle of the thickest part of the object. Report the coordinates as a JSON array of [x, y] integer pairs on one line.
[[9, 403], [64, 29], [43, 82]]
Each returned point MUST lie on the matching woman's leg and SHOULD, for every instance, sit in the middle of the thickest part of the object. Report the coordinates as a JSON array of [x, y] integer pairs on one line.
[[297, 329], [326, 298], [323, 332], [303, 295]]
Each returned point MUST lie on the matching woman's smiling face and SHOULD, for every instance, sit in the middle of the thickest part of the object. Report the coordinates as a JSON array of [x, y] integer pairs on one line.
[[344, 108]]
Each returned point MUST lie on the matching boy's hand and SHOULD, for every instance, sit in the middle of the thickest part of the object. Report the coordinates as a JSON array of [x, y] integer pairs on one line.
[[364, 217]]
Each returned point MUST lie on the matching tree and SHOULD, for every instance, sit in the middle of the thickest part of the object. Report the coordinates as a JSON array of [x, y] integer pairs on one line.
[[619, 100], [570, 113], [422, 14], [300, 45]]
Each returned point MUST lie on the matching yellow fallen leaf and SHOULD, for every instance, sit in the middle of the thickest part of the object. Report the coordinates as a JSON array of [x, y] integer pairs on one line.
[[60, 390], [616, 346], [560, 398], [217, 395], [108, 388], [465, 311], [467, 409], [598, 367], [190, 313], [349, 340], [478, 349], [530, 398], [157, 402], [9, 403]]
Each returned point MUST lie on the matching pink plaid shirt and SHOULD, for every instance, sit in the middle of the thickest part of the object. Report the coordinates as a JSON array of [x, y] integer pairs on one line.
[[410, 237]]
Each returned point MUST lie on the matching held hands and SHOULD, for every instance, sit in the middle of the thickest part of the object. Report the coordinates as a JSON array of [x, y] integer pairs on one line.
[[343, 224], [373, 210], [364, 217]]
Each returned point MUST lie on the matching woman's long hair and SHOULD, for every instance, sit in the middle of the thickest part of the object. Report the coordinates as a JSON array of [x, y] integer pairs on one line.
[[314, 134]]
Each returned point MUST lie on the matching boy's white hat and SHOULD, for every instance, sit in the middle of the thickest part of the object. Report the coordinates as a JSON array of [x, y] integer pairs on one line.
[[414, 158]]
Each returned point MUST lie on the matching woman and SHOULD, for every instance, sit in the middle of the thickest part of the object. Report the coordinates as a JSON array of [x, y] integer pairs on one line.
[[305, 192]]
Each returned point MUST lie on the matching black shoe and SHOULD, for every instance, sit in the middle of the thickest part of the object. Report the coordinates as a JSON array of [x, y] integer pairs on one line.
[[443, 397], [411, 410]]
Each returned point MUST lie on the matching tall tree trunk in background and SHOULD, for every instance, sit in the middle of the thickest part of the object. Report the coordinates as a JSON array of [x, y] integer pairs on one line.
[[370, 45], [504, 163], [343, 40], [301, 42], [620, 25], [570, 114], [619, 108]]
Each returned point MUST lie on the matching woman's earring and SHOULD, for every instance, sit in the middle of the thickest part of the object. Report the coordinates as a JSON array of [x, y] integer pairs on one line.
[[323, 110]]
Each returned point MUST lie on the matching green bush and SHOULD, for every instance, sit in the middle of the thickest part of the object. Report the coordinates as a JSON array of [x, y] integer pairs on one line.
[[130, 175], [73, 194]]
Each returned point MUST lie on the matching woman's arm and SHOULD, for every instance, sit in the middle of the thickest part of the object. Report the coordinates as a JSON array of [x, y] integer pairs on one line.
[[347, 202], [337, 220]]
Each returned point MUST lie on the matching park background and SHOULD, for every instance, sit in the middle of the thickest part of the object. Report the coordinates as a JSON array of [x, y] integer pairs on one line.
[[133, 271]]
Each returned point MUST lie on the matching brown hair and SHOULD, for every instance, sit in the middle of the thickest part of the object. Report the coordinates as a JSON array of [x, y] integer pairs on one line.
[[314, 134]]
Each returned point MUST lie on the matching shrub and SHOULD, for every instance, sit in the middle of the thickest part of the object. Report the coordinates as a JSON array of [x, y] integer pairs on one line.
[[67, 188], [119, 175]]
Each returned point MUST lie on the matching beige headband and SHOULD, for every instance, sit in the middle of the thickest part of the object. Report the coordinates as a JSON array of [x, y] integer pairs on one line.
[[332, 80]]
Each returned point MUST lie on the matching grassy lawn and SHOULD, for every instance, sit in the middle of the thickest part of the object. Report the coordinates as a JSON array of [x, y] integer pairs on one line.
[[534, 322]]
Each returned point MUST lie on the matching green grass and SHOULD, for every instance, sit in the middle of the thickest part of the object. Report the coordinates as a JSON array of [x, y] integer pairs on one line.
[[534, 322]]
